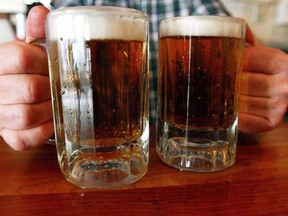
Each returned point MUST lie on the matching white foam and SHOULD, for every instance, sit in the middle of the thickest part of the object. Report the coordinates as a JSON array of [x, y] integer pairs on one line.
[[203, 26], [87, 23]]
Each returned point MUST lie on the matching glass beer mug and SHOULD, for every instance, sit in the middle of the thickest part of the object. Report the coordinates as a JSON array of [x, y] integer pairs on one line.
[[99, 82], [200, 61]]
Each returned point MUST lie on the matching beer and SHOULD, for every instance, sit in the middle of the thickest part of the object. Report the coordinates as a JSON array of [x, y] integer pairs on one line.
[[200, 60], [99, 82], [199, 82]]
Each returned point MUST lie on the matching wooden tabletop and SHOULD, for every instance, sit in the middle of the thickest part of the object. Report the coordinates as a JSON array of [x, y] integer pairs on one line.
[[31, 184]]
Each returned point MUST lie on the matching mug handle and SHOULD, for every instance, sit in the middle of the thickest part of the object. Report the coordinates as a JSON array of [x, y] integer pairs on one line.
[[41, 42]]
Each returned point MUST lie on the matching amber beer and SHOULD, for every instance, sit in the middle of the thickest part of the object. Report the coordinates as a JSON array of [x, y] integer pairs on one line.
[[117, 69], [99, 81], [201, 80], [200, 60]]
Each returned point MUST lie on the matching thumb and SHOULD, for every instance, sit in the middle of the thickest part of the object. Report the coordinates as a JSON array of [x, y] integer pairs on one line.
[[35, 23], [249, 36]]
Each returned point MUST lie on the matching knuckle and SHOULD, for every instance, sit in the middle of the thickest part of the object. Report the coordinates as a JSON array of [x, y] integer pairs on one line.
[[20, 145], [36, 88], [27, 116], [280, 60], [24, 61], [271, 124], [274, 86], [274, 105], [15, 140], [30, 89], [275, 114]]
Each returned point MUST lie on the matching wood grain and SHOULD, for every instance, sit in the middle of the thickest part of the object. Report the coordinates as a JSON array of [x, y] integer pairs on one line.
[[31, 183]]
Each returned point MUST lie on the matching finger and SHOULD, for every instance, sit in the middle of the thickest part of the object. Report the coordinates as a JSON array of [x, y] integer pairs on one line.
[[24, 89], [35, 23], [264, 60], [254, 124], [269, 107], [21, 140], [262, 113], [25, 116], [263, 85], [19, 57]]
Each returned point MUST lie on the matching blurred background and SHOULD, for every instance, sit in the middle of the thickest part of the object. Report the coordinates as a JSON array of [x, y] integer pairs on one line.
[[267, 18], [13, 14]]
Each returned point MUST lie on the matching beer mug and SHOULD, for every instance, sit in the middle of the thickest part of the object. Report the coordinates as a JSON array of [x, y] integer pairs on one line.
[[200, 61], [98, 64]]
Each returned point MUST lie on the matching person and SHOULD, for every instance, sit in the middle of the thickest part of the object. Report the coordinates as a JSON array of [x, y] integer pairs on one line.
[[25, 103]]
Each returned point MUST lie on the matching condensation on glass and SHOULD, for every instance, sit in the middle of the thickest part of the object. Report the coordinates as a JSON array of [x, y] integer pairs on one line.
[[200, 60], [98, 59]]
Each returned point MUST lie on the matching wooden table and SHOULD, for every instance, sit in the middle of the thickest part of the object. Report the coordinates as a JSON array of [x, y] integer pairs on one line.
[[31, 184]]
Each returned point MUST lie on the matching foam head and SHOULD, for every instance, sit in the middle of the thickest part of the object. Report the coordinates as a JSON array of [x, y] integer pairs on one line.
[[97, 22], [203, 26]]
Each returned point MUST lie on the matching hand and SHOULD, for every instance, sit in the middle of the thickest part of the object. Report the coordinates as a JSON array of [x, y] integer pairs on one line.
[[264, 89], [25, 104]]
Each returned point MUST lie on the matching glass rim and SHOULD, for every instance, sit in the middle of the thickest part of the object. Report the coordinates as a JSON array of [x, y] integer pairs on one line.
[[107, 10], [199, 25], [204, 17], [97, 22]]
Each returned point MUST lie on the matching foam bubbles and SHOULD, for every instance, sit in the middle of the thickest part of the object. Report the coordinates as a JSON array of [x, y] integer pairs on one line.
[[203, 26], [101, 23]]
